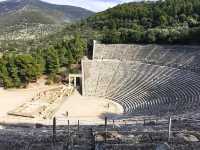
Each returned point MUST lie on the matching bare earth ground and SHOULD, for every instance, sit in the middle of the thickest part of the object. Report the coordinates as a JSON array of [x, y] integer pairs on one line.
[[12, 98], [88, 110]]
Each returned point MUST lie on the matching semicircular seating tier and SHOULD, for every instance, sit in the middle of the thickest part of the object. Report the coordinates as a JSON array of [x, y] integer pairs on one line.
[[176, 56], [142, 89]]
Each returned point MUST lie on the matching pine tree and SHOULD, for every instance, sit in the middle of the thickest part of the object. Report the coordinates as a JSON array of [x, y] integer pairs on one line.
[[52, 61]]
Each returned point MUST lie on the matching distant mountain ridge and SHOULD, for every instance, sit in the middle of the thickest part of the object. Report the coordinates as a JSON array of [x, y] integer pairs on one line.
[[35, 11]]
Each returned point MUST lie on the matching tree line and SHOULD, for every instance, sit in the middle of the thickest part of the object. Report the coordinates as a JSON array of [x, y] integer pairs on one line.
[[19, 69], [163, 21]]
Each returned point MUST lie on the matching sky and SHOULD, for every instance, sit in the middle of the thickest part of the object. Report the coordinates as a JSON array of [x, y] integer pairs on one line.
[[94, 5]]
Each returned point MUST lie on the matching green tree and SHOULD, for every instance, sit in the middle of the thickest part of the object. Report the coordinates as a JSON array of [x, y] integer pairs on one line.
[[52, 61], [69, 57], [163, 20], [77, 46], [150, 36], [13, 71], [62, 56], [135, 36], [28, 68], [38, 57], [5, 80]]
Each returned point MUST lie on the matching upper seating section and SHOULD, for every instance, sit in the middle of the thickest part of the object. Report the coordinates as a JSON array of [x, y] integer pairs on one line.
[[142, 88], [177, 56]]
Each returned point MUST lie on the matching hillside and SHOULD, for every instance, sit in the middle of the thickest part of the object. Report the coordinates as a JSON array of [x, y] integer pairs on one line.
[[161, 22], [169, 21], [35, 19], [35, 11]]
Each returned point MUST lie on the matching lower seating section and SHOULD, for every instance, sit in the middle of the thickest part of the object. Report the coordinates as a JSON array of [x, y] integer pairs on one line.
[[176, 56], [142, 89]]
